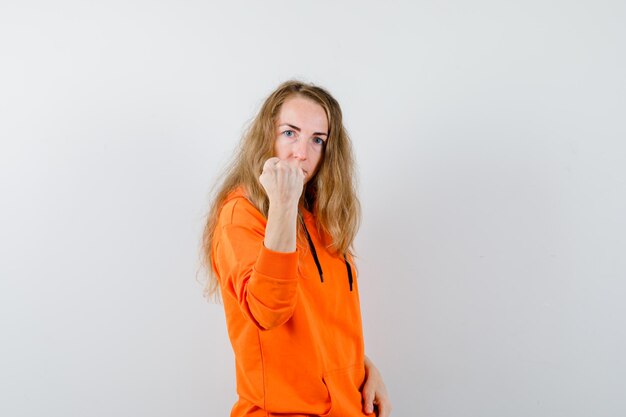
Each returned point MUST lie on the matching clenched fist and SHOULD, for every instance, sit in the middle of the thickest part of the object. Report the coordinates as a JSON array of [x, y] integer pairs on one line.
[[283, 181]]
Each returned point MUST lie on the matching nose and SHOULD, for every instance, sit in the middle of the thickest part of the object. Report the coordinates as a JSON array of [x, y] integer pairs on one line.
[[300, 149]]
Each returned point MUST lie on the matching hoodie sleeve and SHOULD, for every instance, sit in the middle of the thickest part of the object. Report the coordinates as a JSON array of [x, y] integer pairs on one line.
[[264, 282]]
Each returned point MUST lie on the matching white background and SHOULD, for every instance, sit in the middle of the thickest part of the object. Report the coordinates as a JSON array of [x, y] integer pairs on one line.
[[490, 138]]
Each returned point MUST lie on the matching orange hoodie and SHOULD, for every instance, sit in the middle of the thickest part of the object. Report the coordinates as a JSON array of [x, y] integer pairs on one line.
[[295, 327]]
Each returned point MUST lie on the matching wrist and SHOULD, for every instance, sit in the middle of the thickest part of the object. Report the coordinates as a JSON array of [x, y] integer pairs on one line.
[[282, 210]]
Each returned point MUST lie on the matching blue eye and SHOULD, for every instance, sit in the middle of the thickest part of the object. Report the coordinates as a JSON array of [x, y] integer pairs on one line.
[[289, 133], [318, 141]]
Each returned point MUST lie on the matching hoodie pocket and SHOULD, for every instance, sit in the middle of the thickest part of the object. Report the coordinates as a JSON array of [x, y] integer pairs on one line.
[[344, 386]]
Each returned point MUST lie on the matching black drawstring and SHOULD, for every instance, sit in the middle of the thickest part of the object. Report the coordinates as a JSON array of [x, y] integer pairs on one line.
[[349, 271], [317, 261]]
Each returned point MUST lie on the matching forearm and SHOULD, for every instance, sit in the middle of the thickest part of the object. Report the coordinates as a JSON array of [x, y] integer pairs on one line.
[[280, 231], [263, 281], [270, 295]]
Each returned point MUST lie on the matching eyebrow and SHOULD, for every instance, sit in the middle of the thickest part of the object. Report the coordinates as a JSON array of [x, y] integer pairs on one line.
[[298, 129]]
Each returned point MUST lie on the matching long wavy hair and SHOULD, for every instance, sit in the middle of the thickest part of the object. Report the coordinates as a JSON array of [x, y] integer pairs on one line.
[[330, 194]]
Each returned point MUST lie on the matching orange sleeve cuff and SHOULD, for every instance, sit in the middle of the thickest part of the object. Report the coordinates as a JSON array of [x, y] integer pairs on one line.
[[281, 265]]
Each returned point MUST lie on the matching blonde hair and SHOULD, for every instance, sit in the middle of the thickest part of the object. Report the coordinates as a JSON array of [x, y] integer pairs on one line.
[[330, 193]]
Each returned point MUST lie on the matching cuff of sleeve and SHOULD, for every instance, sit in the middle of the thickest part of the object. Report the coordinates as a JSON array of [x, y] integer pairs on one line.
[[283, 265]]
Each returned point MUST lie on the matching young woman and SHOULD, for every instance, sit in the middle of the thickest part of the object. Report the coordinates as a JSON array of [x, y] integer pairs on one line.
[[278, 241]]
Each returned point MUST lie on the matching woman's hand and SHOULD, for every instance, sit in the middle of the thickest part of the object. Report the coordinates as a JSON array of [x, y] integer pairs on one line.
[[283, 181], [374, 392]]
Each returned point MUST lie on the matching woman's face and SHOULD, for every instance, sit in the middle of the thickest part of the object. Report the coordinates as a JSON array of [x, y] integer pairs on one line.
[[301, 133]]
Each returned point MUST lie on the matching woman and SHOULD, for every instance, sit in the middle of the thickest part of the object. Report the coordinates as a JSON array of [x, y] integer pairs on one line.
[[278, 241]]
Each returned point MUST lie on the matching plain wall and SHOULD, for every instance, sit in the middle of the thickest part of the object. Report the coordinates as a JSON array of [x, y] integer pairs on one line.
[[490, 140]]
